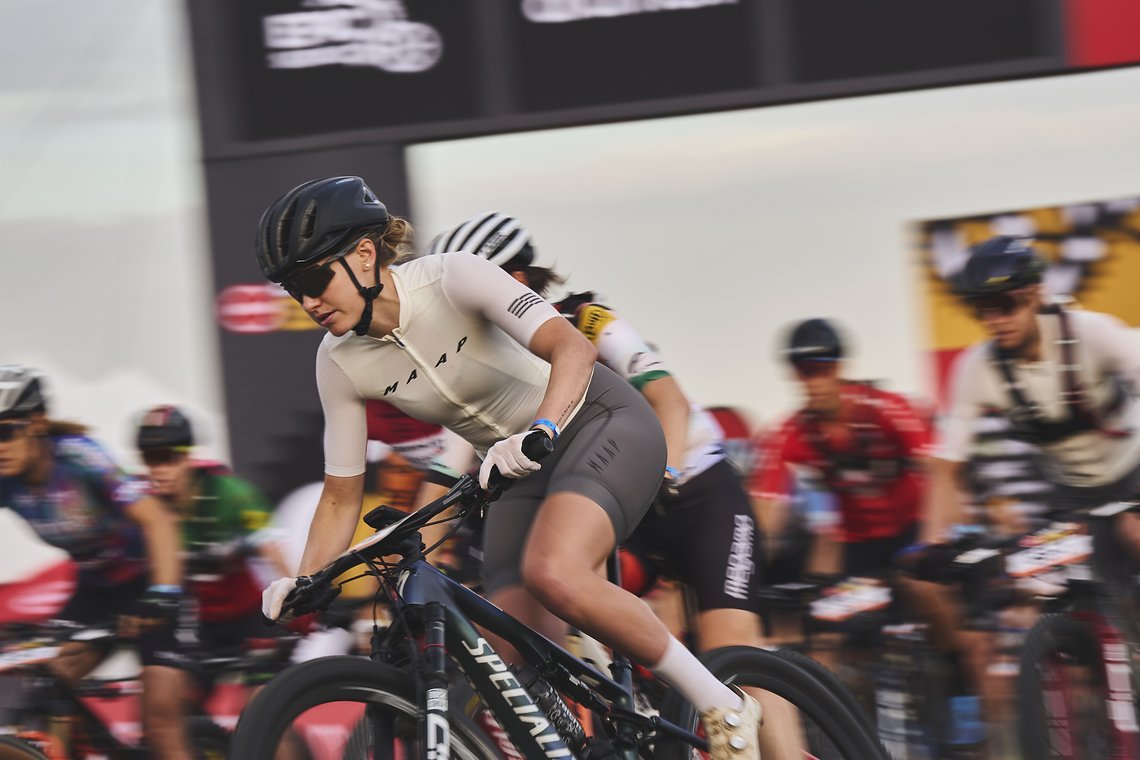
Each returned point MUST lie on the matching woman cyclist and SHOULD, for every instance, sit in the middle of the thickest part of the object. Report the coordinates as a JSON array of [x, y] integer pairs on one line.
[[455, 340], [125, 543]]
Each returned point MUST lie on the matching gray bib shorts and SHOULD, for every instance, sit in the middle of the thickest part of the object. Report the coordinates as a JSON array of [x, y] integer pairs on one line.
[[613, 453]]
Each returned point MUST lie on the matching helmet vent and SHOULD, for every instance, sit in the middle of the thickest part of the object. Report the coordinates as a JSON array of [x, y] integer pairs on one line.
[[309, 222]]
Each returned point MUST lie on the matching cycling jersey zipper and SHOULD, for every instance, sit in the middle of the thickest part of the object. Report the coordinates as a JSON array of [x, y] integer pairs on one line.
[[445, 391]]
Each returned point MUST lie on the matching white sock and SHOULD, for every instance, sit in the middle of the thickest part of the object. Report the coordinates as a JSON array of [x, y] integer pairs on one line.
[[680, 669]]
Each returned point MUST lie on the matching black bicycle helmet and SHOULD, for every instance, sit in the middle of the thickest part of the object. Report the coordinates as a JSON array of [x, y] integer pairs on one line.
[[164, 427], [313, 220], [499, 238], [999, 265], [813, 340], [21, 391]]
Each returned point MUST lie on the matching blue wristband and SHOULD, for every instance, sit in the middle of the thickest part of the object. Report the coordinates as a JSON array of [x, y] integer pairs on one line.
[[549, 425], [165, 588], [673, 472]]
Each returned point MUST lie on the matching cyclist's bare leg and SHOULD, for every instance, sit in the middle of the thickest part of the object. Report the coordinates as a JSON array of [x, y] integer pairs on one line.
[[74, 661], [1127, 528], [163, 691], [779, 738], [936, 605], [570, 536]]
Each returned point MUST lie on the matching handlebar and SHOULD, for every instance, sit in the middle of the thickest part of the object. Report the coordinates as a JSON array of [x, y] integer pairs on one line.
[[970, 558], [316, 592]]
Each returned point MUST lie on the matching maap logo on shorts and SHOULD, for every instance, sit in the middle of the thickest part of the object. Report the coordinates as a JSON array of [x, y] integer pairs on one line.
[[375, 33]]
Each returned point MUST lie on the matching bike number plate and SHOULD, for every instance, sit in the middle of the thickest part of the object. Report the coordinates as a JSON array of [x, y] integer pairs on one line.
[[850, 598], [1064, 550]]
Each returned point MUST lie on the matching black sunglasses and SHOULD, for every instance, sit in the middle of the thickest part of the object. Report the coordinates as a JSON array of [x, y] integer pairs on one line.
[[161, 456], [312, 282], [1002, 304], [813, 368], [9, 431]]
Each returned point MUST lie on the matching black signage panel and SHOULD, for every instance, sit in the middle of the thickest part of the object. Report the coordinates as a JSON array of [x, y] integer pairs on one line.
[[597, 52], [317, 66], [831, 40]]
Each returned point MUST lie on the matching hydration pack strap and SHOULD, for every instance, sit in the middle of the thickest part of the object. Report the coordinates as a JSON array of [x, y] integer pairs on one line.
[[1082, 415], [862, 424]]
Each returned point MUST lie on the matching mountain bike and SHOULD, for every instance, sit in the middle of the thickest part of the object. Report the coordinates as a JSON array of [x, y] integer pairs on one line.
[[97, 716], [1078, 681], [883, 645], [402, 688]]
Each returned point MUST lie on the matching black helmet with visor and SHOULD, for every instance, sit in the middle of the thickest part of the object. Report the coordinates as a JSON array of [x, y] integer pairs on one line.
[[313, 221], [999, 265], [164, 427], [995, 270], [813, 340]]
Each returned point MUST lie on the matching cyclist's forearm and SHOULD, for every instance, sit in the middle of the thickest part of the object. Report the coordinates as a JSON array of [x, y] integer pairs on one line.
[[943, 506], [771, 515], [334, 522], [162, 538], [672, 410], [571, 359]]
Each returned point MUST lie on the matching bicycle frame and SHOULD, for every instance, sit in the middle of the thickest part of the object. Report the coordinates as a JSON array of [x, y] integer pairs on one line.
[[446, 611], [451, 609]]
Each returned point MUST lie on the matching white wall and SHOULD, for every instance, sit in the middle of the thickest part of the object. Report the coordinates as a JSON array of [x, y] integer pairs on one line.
[[711, 233]]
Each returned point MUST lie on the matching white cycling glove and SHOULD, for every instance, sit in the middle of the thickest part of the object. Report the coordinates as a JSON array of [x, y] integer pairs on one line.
[[274, 596], [508, 456]]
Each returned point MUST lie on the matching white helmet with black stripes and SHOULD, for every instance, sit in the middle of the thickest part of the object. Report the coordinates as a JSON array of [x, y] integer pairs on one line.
[[499, 238], [21, 391]]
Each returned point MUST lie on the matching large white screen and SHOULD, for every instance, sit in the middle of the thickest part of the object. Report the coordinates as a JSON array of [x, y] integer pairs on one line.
[[711, 233]]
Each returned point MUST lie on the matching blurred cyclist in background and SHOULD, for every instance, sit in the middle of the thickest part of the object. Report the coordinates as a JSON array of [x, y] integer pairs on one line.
[[125, 543], [224, 522], [867, 447], [701, 529], [1065, 379]]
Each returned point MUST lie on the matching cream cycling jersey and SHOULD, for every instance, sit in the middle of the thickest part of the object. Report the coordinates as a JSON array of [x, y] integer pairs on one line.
[[623, 350], [1107, 355], [457, 358]]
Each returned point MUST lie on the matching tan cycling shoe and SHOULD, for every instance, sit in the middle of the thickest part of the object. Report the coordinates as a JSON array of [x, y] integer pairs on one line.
[[732, 733]]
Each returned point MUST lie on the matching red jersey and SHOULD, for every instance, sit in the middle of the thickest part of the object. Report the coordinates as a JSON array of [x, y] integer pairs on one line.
[[868, 461], [388, 424]]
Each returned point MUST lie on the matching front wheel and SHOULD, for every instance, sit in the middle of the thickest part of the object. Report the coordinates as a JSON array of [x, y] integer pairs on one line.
[[807, 716], [1063, 698], [324, 700], [12, 748]]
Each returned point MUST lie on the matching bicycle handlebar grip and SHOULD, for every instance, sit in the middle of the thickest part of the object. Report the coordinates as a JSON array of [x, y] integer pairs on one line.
[[537, 446], [308, 597]]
